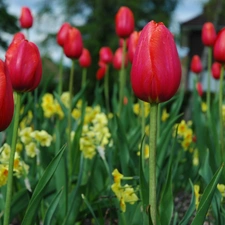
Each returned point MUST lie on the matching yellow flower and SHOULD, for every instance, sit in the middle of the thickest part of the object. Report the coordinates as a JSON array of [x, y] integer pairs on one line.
[[136, 108], [195, 158], [197, 195], [204, 107], [5, 152], [117, 176], [146, 151], [182, 127], [25, 135], [20, 168], [3, 175], [129, 194], [42, 137], [65, 98], [31, 149], [221, 188], [76, 113], [165, 115], [19, 147]]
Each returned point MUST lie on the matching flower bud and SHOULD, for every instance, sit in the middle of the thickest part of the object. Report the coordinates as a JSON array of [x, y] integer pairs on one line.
[[106, 55], [219, 47], [26, 18], [208, 34], [117, 59], [101, 72], [196, 64], [124, 21], [73, 45], [216, 70], [23, 64], [199, 89], [6, 98], [133, 40], [85, 58], [156, 68], [62, 33]]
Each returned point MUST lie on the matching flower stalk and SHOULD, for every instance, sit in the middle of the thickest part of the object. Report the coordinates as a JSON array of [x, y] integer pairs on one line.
[[208, 94]]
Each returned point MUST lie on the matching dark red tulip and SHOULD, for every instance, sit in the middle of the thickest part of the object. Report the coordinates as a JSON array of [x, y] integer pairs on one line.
[[156, 68], [124, 21], [196, 64], [106, 55], [85, 58], [23, 64], [133, 40], [6, 98], [62, 33], [117, 59], [26, 18], [73, 45], [199, 88], [219, 47], [216, 70], [208, 34]]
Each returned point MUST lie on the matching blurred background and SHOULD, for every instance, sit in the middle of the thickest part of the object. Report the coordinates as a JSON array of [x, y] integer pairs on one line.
[[95, 20]]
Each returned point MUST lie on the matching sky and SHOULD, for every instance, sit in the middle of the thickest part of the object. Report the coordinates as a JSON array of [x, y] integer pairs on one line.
[[185, 10]]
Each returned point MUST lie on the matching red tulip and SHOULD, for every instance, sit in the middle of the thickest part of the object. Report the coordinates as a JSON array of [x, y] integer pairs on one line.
[[18, 37], [196, 64], [73, 45], [117, 59], [106, 55], [133, 40], [6, 98], [62, 33], [121, 41], [26, 18], [156, 68], [199, 88], [101, 72], [23, 63], [219, 47], [208, 34], [124, 21], [216, 69], [85, 58]]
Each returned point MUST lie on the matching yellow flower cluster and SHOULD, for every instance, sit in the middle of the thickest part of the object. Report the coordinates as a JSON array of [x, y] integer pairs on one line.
[[124, 193], [137, 108], [20, 167], [51, 106]]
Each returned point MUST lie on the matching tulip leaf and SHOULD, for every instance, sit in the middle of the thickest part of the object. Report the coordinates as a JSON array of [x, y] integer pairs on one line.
[[37, 196], [207, 198]]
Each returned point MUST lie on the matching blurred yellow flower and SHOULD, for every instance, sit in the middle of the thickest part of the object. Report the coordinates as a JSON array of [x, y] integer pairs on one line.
[[204, 107], [197, 195], [221, 188], [3, 174], [25, 135], [42, 137], [31, 149], [117, 176], [165, 115], [65, 98]]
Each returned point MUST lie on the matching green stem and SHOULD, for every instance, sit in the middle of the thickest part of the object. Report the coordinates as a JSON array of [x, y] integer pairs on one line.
[[208, 94], [152, 162], [122, 78], [221, 111], [106, 89], [69, 115], [60, 74], [11, 161], [142, 105], [84, 77]]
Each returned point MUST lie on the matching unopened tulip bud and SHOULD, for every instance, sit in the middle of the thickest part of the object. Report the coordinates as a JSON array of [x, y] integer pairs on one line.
[[26, 18], [196, 64]]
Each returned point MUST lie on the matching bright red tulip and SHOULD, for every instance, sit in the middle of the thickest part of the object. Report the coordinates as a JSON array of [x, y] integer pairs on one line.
[[124, 21], [6, 98], [219, 47], [62, 33], [156, 68], [101, 72], [216, 70], [85, 58], [117, 59], [196, 64], [73, 45], [23, 64], [106, 55], [18, 37], [133, 40], [199, 88], [26, 18], [208, 34]]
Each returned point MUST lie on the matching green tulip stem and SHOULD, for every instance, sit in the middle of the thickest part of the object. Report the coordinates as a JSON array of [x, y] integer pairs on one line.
[[11, 161], [69, 114], [122, 78], [84, 77], [106, 89], [152, 162], [221, 111], [60, 74], [142, 105], [208, 94]]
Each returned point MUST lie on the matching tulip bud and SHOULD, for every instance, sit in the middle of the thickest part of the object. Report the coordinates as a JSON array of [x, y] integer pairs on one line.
[[219, 47], [208, 34], [156, 68], [106, 55], [133, 40], [199, 88], [85, 58], [124, 21], [23, 63], [101, 72], [73, 45], [196, 64], [62, 33], [6, 98], [26, 18], [216, 70], [117, 59]]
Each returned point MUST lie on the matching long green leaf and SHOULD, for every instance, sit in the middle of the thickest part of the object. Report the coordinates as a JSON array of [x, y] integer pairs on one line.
[[207, 198], [37, 196]]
